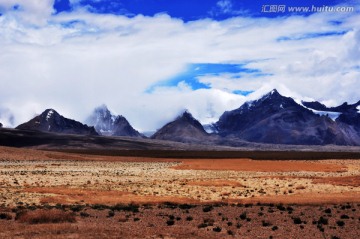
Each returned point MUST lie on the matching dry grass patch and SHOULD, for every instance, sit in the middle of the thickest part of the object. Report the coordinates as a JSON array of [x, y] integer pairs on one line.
[[46, 216], [216, 183]]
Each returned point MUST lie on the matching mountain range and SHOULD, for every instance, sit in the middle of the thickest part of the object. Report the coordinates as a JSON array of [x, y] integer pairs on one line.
[[273, 119], [184, 128], [52, 121], [108, 124], [280, 120]]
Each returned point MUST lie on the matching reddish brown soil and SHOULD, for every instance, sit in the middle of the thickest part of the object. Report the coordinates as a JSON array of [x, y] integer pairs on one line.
[[258, 165], [199, 221], [304, 198], [29, 181], [341, 181]]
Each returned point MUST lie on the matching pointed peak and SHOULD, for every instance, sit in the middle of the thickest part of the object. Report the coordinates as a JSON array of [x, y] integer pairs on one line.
[[49, 112], [102, 107], [274, 92], [186, 113]]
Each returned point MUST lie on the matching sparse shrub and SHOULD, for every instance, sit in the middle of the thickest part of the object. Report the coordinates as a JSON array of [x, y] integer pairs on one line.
[[202, 225], [170, 222], [128, 208], [207, 208], [111, 213], [340, 223], [99, 207], [217, 229], [243, 216], [323, 221], [5, 216], [328, 210], [297, 220], [46, 216], [186, 206], [229, 224], [172, 217], [189, 218], [281, 207], [170, 205], [84, 214], [209, 222], [76, 208], [335, 237], [229, 232], [274, 228], [266, 224], [238, 225], [344, 216], [136, 219], [178, 218]]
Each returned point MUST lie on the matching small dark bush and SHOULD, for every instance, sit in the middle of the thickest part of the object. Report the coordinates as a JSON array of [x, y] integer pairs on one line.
[[335, 237], [297, 220], [189, 218], [207, 208], [202, 225], [238, 225], [243, 216], [99, 207], [217, 229], [209, 222], [170, 205], [274, 228], [328, 210], [186, 206], [128, 208], [136, 219], [344, 216], [170, 222], [229, 232], [5, 216], [340, 223], [84, 214], [229, 224], [281, 207], [323, 221], [266, 224], [111, 213], [76, 208]]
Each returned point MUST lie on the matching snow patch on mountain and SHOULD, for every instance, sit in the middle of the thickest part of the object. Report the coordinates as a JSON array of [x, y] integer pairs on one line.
[[49, 114], [331, 115]]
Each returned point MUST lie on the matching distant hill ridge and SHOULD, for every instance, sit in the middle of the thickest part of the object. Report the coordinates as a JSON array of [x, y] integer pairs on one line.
[[273, 118], [51, 121]]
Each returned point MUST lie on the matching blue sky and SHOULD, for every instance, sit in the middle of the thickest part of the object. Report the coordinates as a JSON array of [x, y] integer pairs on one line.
[[188, 10], [150, 59]]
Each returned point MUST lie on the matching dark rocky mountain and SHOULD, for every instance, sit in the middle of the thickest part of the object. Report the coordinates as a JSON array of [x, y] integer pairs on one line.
[[184, 128], [344, 108], [52, 121], [108, 124], [280, 120], [1, 125]]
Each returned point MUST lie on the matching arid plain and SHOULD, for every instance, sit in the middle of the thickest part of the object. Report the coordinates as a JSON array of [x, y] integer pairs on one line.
[[92, 196]]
